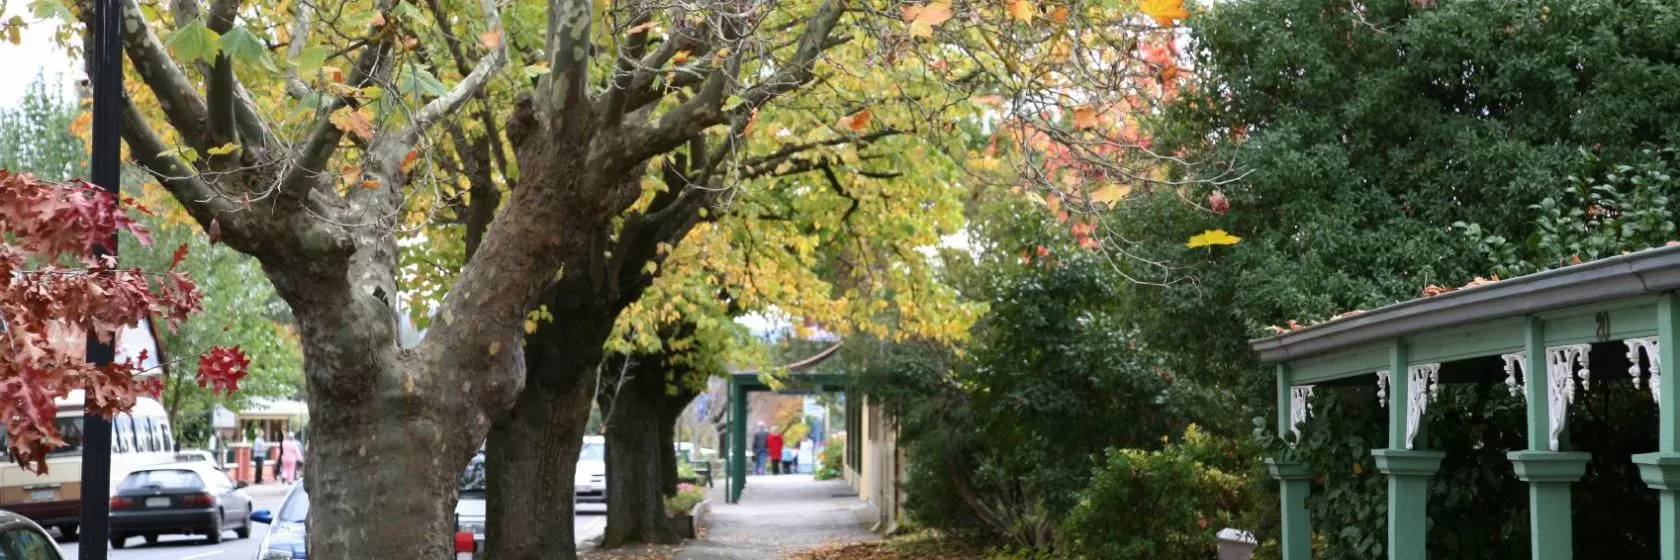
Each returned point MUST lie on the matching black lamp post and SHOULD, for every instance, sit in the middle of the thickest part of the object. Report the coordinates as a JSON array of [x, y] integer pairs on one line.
[[107, 78]]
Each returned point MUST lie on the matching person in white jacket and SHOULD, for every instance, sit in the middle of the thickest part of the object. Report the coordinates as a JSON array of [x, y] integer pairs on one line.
[[807, 456]]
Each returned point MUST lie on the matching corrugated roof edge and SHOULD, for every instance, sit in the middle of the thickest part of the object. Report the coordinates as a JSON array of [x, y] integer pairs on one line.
[[1650, 271]]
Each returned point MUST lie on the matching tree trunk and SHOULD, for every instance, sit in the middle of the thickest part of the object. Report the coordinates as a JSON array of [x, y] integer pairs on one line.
[[636, 453], [532, 459], [670, 410], [533, 451]]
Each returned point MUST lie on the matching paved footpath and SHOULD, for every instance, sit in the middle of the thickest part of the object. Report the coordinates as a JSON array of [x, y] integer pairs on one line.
[[779, 516]]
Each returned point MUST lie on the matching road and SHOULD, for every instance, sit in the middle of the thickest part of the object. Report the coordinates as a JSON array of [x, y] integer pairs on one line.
[[590, 521]]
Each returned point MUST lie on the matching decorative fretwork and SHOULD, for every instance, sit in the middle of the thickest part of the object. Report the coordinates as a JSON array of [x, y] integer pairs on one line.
[[1382, 388], [1650, 346], [1516, 373], [1300, 408], [1561, 373], [1421, 385]]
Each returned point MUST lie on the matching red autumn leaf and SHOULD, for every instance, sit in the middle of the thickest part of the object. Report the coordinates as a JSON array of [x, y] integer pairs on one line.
[[221, 369], [50, 309], [1218, 203], [180, 254]]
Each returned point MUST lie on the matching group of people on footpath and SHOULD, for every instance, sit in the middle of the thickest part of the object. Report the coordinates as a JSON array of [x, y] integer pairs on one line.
[[287, 456], [771, 452]]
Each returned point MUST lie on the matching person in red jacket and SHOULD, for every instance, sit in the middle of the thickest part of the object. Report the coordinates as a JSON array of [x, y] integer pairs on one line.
[[775, 443]]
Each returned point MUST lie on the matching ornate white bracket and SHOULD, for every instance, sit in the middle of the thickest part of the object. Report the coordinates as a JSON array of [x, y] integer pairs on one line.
[[1299, 408], [1560, 383], [1382, 388], [1649, 345], [1516, 373], [1421, 385]]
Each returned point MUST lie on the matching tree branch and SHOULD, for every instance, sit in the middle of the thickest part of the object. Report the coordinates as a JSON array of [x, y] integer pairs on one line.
[[179, 99], [564, 89]]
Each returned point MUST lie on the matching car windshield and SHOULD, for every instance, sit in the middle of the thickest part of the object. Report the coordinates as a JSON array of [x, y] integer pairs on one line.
[[472, 479], [296, 508], [169, 478], [593, 452]]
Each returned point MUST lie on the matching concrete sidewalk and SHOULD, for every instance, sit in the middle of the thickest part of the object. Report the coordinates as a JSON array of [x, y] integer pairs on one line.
[[779, 516]]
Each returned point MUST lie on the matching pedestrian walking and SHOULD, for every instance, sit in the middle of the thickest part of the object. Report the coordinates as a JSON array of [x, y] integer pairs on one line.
[[289, 459], [775, 444], [790, 458], [259, 451], [761, 448], [279, 450]]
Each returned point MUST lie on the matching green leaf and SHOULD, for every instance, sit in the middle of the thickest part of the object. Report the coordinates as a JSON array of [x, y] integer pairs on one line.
[[241, 45], [311, 60], [418, 82], [51, 9], [194, 41], [535, 71]]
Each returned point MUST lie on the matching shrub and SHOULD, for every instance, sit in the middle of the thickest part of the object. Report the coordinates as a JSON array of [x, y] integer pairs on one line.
[[828, 460], [688, 496], [1159, 504]]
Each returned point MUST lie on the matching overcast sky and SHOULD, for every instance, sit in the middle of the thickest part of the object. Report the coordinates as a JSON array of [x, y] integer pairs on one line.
[[20, 63]]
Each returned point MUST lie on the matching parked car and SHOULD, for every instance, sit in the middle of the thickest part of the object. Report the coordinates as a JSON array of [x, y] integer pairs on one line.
[[22, 539], [175, 499], [590, 481], [470, 510], [288, 530]]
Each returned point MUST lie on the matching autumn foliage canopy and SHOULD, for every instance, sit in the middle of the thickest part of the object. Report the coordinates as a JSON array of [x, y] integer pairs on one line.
[[52, 290]]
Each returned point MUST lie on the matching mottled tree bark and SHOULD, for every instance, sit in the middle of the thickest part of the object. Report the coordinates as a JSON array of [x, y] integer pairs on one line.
[[631, 392]]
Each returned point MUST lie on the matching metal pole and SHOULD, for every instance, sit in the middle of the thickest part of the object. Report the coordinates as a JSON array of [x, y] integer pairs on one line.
[[107, 78]]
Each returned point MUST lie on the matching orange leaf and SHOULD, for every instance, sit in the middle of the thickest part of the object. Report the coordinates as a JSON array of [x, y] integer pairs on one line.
[[491, 39], [1022, 10], [923, 18], [370, 184], [646, 25], [1085, 117], [408, 160], [1059, 15], [856, 122], [354, 122], [378, 19]]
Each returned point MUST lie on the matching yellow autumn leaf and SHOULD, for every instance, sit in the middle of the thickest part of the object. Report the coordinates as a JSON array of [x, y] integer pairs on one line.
[[923, 18], [1164, 11], [224, 149], [1022, 10], [1213, 237], [1110, 194]]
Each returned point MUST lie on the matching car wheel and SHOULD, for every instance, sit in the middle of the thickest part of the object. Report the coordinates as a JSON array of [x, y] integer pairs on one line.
[[244, 530], [118, 540], [215, 532], [151, 539]]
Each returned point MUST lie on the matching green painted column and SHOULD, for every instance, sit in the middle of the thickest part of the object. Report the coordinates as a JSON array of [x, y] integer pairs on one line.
[[1548, 473], [1294, 482], [1409, 471], [1661, 470], [741, 445]]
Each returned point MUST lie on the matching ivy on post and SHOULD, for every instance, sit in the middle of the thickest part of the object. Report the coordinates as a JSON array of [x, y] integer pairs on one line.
[[1294, 480]]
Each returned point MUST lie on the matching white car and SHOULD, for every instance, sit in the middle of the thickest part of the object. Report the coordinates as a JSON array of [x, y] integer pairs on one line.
[[590, 480]]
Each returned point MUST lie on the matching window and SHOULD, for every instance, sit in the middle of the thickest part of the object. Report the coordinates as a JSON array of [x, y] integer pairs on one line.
[[27, 544], [167, 435], [70, 430], [161, 478], [593, 452], [123, 441], [296, 508], [143, 435]]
